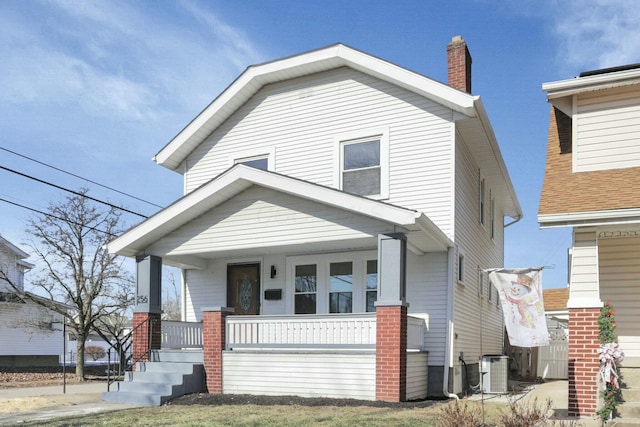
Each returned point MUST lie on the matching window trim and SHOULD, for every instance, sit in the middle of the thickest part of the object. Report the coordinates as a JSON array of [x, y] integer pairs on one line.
[[339, 141], [255, 154]]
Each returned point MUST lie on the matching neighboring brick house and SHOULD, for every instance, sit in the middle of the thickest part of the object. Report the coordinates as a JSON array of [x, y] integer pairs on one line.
[[591, 184]]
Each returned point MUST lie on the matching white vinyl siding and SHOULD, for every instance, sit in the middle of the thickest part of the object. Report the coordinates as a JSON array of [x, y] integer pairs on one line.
[[306, 374], [21, 336], [478, 322], [417, 379], [619, 267], [584, 269], [301, 118], [607, 130], [262, 218]]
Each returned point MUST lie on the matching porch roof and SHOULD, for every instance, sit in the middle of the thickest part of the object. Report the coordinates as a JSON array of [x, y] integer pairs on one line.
[[423, 234]]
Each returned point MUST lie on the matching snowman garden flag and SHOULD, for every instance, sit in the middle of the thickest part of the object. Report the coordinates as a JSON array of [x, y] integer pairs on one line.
[[520, 293]]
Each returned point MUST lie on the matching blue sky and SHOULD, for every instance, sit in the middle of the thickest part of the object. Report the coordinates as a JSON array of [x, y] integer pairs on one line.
[[99, 87]]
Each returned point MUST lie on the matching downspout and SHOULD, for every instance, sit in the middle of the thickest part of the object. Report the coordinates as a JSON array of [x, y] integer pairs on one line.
[[449, 342]]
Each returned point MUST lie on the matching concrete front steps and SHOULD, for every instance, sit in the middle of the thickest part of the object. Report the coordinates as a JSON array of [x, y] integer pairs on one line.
[[628, 412], [169, 374]]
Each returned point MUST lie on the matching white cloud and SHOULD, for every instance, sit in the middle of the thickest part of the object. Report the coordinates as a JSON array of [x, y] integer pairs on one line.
[[596, 34], [117, 59]]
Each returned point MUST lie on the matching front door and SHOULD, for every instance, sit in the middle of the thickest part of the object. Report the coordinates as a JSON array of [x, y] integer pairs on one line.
[[243, 288]]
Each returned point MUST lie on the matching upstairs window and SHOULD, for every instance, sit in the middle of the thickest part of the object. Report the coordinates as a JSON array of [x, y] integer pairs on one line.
[[259, 162], [361, 167], [493, 216], [482, 204], [362, 164]]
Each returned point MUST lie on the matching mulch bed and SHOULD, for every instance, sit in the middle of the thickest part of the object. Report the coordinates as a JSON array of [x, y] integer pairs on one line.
[[244, 399]]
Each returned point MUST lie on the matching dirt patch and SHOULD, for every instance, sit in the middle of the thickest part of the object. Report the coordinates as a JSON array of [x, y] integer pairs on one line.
[[45, 376]]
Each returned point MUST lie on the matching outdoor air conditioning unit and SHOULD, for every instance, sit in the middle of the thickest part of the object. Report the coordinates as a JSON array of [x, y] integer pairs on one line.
[[494, 373]]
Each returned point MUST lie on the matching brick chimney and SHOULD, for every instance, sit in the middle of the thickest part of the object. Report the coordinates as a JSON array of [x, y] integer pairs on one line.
[[459, 64]]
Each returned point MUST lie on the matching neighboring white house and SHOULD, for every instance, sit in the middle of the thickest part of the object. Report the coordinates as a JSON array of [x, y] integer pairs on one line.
[[348, 152], [30, 334], [591, 185]]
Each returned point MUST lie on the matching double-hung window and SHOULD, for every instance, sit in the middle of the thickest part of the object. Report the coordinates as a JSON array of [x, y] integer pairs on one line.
[[306, 283], [363, 164], [341, 287]]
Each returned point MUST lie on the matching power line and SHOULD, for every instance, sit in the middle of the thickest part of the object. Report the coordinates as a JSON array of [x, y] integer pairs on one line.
[[56, 217], [78, 176], [72, 191]]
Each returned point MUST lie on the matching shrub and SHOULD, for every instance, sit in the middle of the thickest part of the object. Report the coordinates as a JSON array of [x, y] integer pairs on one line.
[[95, 352], [459, 414]]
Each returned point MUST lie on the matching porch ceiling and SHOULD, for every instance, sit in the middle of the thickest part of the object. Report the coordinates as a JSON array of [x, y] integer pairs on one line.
[[246, 211]]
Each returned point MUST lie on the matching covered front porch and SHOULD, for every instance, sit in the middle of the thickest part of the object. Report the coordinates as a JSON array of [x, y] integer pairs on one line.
[[284, 273], [318, 355]]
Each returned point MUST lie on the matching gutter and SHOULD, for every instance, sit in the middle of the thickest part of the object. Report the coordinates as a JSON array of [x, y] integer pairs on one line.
[[449, 344], [518, 218]]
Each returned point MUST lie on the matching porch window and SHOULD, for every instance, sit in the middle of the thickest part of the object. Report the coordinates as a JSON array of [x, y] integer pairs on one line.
[[306, 281], [372, 284], [341, 287]]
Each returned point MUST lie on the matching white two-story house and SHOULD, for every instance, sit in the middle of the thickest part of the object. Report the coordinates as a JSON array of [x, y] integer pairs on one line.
[[321, 191], [30, 334]]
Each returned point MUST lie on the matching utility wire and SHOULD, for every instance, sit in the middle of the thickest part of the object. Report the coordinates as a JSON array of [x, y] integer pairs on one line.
[[78, 176], [72, 191], [57, 217]]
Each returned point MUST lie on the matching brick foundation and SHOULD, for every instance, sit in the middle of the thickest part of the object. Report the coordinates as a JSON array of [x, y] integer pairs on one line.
[[583, 361], [391, 353], [213, 336]]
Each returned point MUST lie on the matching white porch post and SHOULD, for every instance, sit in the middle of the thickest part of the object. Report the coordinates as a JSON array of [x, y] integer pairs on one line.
[[391, 319], [584, 309]]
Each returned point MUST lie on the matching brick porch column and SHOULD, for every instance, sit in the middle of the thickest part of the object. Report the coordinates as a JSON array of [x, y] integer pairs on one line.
[[583, 361], [213, 342], [391, 353], [147, 336]]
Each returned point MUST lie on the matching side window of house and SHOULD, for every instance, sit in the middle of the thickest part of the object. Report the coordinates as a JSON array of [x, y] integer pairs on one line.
[[340, 287], [482, 203], [306, 283], [460, 268], [493, 216], [480, 282], [372, 284], [361, 167]]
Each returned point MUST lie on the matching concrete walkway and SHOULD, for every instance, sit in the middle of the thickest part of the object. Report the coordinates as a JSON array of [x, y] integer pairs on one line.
[[79, 399]]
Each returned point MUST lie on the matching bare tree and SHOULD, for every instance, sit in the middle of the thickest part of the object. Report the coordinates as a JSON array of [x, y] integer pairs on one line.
[[69, 242], [171, 300]]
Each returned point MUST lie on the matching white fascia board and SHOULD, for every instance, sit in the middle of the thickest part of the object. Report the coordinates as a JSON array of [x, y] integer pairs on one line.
[[433, 231], [235, 180], [516, 209], [576, 85], [256, 76], [593, 218]]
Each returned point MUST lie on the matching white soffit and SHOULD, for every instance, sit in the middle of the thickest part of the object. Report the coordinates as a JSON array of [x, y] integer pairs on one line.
[[241, 177], [335, 56]]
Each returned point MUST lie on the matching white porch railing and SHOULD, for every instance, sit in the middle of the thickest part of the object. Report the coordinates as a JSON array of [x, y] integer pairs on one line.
[[181, 334], [341, 331]]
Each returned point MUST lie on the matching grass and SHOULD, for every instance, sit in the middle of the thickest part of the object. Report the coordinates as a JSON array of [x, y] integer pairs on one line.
[[253, 415]]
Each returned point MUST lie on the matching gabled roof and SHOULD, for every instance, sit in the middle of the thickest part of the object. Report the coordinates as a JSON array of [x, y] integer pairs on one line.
[[331, 57], [20, 254], [240, 177]]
